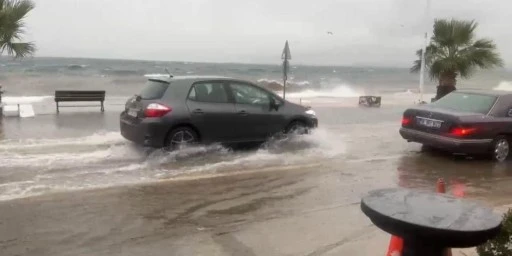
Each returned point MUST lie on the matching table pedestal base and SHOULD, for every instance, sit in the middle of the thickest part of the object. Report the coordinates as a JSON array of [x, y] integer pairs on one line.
[[413, 248]]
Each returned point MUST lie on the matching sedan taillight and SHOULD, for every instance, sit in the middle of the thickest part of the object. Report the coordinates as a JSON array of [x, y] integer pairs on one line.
[[156, 110], [406, 121], [462, 131]]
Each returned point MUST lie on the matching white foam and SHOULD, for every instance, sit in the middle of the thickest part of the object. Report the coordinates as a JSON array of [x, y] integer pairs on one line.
[[504, 86], [301, 83], [54, 160], [407, 92], [268, 81], [106, 160], [24, 99], [291, 81], [99, 138], [156, 75], [342, 91]]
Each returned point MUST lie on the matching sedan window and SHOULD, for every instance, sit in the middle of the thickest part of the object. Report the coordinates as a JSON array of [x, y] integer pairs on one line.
[[248, 94], [466, 102]]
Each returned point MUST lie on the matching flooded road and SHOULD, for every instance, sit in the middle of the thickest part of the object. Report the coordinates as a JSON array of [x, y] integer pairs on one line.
[[71, 185]]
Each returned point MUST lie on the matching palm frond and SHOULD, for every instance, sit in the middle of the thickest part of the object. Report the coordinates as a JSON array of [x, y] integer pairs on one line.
[[430, 53], [19, 9], [12, 27], [454, 50], [14, 13], [453, 32], [416, 66], [19, 50]]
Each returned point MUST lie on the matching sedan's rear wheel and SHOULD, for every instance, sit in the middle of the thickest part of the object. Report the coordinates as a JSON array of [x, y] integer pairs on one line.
[[181, 137], [500, 149]]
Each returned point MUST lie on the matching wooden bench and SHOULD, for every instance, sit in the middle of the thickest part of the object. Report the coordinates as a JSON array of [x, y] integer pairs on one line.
[[78, 96]]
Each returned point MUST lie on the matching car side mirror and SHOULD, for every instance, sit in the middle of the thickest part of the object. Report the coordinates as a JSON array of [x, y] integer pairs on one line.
[[509, 113], [274, 104]]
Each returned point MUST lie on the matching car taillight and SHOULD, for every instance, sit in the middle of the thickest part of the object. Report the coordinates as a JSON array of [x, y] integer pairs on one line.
[[406, 121], [462, 131], [156, 110]]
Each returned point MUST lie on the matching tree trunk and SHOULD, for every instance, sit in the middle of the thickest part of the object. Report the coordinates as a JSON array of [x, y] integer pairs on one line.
[[447, 83]]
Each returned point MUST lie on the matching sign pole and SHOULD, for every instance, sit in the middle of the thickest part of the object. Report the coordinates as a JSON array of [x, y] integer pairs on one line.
[[285, 56]]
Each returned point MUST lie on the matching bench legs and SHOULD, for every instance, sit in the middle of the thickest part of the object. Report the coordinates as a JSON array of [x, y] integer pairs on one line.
[[102, 107], [57, 106]]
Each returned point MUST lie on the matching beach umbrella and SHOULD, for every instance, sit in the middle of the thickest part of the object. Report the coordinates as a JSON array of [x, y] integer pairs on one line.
[[285, 56]]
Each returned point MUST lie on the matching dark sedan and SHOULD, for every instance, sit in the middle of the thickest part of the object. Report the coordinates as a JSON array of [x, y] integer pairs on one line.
[[467, 122], [171, 112]]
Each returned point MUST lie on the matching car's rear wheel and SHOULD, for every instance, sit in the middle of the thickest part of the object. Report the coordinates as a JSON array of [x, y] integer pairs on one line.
[[180, 138], [297, 127], [500, 150]]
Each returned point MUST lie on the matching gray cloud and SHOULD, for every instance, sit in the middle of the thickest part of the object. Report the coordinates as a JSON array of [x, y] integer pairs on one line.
[[366, 32]]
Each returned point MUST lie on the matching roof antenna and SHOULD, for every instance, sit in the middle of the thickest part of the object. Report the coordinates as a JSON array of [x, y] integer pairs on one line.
[[166, 70]]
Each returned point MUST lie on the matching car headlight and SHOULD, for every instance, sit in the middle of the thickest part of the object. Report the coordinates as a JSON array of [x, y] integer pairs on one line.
[[310, 112]]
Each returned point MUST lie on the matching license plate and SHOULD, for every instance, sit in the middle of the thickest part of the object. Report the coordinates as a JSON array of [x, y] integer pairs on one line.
[[429, 123], [132, 112]]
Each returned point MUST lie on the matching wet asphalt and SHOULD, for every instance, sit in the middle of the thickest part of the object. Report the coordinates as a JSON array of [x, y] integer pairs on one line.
[[304, 204]]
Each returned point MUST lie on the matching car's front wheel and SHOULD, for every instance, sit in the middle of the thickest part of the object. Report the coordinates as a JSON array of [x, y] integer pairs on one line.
[[298, 128], [500, 150], [180, 137]]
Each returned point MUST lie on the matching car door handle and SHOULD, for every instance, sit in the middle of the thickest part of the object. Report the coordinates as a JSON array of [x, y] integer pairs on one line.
[[198, 111], [243, 113]]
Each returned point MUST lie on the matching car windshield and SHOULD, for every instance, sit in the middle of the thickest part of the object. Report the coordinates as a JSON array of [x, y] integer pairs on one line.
[[153, 90], [466, 102]]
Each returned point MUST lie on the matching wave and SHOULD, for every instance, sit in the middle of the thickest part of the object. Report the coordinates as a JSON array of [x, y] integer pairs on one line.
[[156, 75], [407, 92], [265, 80], [120, 72], [341, 91], [24, 99], [504, 86], [290, 82], [41, 166], [96, 139], [77, 67]]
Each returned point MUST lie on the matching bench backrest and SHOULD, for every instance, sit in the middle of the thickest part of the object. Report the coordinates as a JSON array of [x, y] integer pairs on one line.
[[79, 95]]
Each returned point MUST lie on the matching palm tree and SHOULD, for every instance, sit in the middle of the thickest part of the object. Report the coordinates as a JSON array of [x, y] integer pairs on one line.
[[12, 13], [453, 51]]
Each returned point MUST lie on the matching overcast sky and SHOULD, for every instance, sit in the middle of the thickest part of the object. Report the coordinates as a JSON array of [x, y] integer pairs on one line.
[[366, 32]]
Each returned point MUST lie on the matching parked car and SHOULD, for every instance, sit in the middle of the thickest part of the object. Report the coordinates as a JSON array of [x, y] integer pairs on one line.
[[171, 112], [467, 122]]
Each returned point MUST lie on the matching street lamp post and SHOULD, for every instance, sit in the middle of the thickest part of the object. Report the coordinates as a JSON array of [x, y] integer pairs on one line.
[[424, 49]]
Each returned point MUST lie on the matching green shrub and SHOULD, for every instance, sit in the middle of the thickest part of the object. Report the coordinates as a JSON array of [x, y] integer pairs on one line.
[[501, 245]]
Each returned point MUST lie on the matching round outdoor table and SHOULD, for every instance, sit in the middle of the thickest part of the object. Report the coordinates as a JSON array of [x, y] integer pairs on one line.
[[429, 223]]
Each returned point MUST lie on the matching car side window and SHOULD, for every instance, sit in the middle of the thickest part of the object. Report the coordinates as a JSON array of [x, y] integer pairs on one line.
[[509, 112], [213, 92], [248, 94]]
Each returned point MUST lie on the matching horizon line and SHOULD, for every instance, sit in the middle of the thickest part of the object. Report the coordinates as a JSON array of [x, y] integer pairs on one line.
[[209, 62], [371, 66]]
